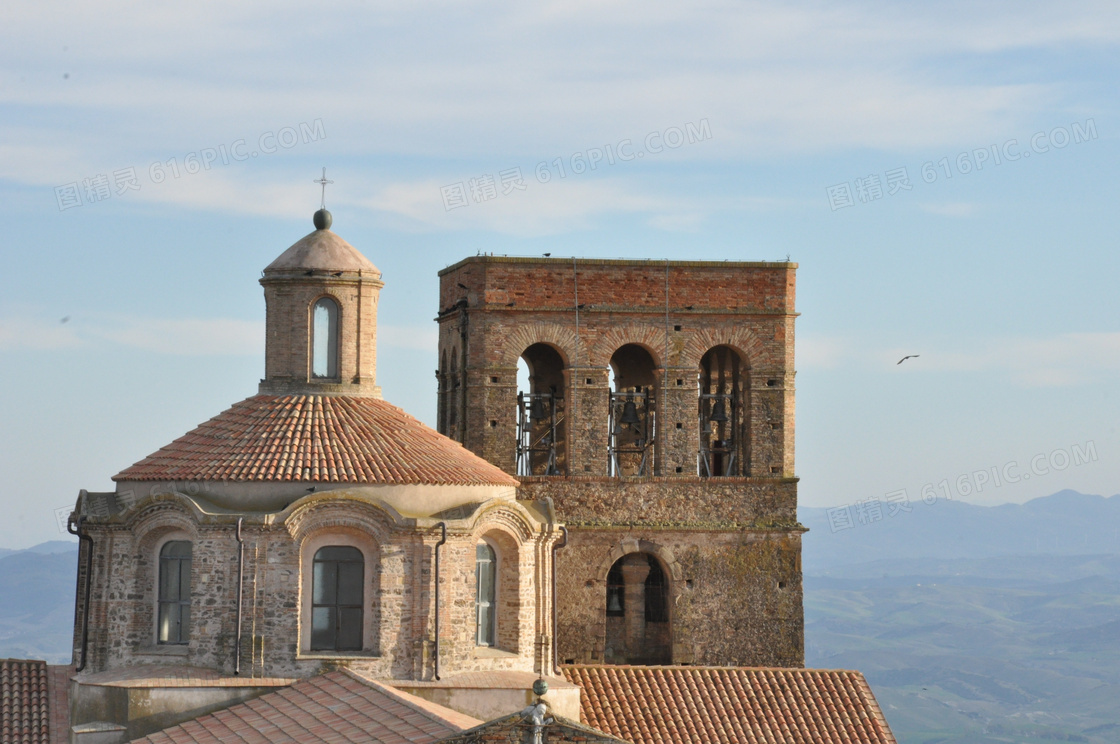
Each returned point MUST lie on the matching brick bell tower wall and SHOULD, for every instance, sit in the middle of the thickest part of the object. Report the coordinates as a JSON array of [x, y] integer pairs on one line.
[[712, 501]]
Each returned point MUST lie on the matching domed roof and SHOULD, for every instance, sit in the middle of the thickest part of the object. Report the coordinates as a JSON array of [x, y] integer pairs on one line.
[[322, 250], [316, 438]]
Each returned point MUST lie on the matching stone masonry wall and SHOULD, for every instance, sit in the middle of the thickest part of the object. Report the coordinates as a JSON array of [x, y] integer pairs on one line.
[[288, 303], [735, 597], [510, 304], [398, 612], [733, 543]]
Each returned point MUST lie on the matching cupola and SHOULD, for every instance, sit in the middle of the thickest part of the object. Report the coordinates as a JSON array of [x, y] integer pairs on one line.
[[321, 328]]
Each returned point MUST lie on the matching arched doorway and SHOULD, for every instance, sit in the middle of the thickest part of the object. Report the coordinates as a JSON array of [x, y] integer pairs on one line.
[[638, 622]]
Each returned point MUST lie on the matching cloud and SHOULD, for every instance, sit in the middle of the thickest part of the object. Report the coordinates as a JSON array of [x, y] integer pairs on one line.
[[185, 336], [539, 209], [179, 336], [38, 334], [417, 338], [433, 80], [823, 352], [1060, 360]]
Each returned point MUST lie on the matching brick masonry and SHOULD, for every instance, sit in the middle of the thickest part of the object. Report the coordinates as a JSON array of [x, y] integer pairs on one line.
[[398, 606], [730, 545], [289, 300]]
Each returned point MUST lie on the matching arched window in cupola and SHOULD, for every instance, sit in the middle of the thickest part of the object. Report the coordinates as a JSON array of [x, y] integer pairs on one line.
[[324, 339]]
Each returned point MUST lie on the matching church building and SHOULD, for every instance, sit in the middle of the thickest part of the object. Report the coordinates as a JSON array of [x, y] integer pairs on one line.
[[606, 549]]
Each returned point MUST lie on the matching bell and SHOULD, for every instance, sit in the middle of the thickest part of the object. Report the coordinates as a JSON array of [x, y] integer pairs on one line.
[[719, 412], [537, 411], [614, 601], [629, 414]]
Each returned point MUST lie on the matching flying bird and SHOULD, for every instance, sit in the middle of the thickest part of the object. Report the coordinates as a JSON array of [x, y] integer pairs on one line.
[[547, 255], [462, 286], [908, 356], [65, 319]]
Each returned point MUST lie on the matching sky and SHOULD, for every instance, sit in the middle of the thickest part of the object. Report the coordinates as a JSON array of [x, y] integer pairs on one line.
[[944, 174]]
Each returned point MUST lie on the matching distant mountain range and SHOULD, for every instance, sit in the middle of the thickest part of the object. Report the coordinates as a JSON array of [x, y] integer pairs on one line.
[[973, 624], [37, 601], [1065, 523]]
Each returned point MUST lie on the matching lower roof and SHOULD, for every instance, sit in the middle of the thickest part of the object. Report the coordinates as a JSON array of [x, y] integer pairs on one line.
[[339, 707], [729, 705]]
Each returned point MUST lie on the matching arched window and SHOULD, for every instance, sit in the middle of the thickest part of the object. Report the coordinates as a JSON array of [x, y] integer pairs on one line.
[[541, 413], [175, 592], [724, 384], [632, 424], [337, 598], [486, 574], [324, 339]]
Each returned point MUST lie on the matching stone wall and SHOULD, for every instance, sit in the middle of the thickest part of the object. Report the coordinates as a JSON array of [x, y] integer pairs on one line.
[[399, 601], [510, 304], [735, 597], [729, 545], [289, 297]]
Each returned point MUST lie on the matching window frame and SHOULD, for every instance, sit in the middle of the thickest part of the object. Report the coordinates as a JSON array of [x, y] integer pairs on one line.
[[492, 602], [338, 606], [372, 612], [180, 638], [333, 341]]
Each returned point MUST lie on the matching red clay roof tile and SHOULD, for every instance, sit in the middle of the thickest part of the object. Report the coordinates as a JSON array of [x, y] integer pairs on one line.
[[335, 707], [316, 438], [730, 705], [25, 711]]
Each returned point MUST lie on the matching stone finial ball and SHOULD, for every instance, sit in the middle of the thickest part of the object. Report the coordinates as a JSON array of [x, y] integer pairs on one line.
[[540, 687], [322, 220]]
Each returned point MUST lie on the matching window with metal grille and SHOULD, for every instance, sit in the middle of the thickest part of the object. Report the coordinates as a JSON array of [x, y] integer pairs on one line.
[[337, 589], [175, 592]]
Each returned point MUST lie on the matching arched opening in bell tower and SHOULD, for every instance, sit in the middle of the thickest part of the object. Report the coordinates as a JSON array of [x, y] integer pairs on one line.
[[637, 614], [724, 413], [633, 412], [542, 429]]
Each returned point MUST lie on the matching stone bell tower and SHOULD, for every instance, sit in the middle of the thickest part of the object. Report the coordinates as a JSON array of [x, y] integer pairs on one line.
[[658, 418], [321, 328]]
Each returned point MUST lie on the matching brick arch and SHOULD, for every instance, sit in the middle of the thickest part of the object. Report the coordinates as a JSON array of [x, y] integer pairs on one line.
[[742, 340], [560, 337], [649, 337], [508, 516], [316, 513], [163, 513], [632, 545]]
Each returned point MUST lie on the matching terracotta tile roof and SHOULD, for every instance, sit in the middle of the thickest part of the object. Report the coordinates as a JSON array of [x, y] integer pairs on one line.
[[730, 705], [339, 707], [316, 438], [25, 711]]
